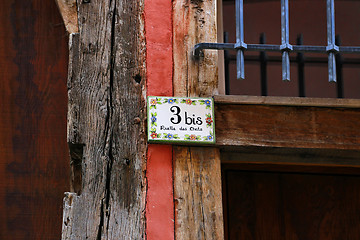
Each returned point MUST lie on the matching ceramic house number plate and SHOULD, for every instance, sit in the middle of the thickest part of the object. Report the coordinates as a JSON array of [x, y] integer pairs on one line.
[[178, 119]]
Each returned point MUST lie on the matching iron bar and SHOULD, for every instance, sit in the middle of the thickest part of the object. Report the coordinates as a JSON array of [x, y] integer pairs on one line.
[[350, 62], [331, 47], [226, 67], [285, 45], [349, 49], [270, 48], [339, 70], [301, 65], [240, 45], [263, 67]]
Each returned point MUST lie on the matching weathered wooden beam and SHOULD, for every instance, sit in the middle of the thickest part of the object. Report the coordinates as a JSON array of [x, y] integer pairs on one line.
[[106, 129], [194, 22], [198, 193], [291, 156], [288, 101], [288, 122], [68, 10], [197, 176]]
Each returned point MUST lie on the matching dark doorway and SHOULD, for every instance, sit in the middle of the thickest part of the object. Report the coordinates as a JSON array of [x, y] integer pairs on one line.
[[34, 162], [274, 201]]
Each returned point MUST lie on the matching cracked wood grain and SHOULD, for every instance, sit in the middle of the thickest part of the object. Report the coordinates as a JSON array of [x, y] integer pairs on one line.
[[105, 89]]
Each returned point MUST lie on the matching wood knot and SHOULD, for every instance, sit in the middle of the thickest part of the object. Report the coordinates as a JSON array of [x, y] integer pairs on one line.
[[137, 120], [127, 161], [177, 200], [137, 78]]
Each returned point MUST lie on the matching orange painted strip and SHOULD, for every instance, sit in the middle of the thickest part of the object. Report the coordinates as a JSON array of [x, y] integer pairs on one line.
[[159, 62], [159, 205]]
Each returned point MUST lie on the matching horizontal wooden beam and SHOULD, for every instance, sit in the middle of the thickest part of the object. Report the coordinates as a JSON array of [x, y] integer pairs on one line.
[[291, 156], [289, 122], [288, 101]]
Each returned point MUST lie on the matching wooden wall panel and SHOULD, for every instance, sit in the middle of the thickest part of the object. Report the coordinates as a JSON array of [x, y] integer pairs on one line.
[[33, 150]]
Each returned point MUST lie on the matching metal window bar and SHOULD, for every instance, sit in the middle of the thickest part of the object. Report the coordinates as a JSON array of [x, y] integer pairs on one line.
[[339, 70], [226, 65], [240, 45], [264, 60], [285, 48], [285, 45], [263, 67], [301, 65]]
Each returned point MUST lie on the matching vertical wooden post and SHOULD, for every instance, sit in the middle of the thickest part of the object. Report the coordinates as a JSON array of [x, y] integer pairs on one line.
[[197, 179], [106, 122]]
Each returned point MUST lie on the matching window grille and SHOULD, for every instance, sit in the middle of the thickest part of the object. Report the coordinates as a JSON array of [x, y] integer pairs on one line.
[[285, 48]]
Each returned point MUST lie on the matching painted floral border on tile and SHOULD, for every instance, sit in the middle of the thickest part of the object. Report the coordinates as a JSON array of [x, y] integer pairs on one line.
[[153, 103]]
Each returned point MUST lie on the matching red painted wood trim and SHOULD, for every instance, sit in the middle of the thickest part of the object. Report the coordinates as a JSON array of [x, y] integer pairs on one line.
[[159, 205], [159, 62]]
